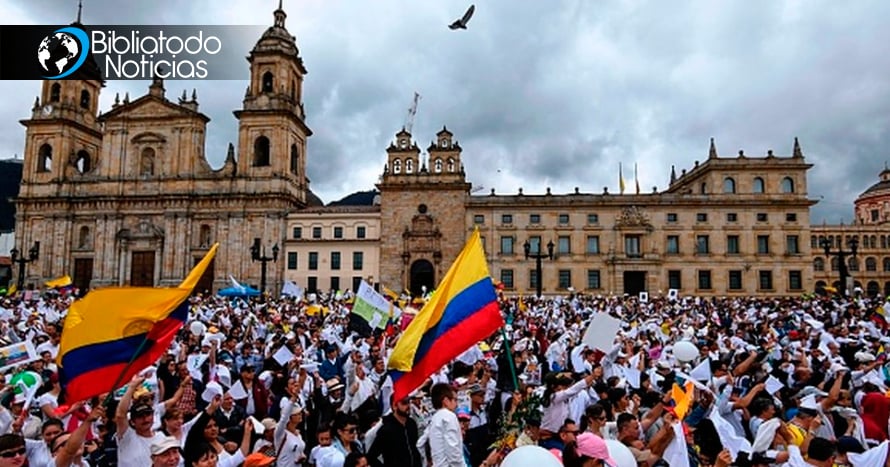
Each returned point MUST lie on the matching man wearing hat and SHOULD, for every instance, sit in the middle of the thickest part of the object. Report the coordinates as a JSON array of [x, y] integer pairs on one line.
[[165, 452], [134, 434], [478, 437]]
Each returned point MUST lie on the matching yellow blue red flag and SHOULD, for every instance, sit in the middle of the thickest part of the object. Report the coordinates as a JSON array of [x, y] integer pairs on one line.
[[113, 333], [463, 311]]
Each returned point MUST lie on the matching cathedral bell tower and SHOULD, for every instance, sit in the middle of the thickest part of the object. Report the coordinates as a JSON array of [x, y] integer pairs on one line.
[[63, 136], [272, 131]]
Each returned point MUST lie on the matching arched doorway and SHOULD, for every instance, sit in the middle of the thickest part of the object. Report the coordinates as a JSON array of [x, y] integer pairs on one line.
[[872, 289], [820, 287], [422, 274]]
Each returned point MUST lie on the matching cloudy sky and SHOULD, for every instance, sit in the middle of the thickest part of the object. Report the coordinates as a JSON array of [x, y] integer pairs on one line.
[[550, 93]]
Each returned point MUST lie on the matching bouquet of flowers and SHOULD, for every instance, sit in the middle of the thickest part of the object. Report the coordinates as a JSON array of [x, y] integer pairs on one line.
[[512, 423]]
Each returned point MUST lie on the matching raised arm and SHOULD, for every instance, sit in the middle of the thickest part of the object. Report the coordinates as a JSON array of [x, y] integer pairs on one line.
[[120, 415], [66, 456], [177, 396]]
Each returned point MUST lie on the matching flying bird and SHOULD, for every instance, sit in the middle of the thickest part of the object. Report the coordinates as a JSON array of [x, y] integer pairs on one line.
[[462, 23]]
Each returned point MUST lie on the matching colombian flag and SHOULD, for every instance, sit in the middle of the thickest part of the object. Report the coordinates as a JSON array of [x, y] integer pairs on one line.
[[463, 311], [111, 327]]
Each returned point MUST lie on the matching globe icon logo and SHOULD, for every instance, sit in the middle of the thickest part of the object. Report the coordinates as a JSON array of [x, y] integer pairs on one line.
[[62, 52]]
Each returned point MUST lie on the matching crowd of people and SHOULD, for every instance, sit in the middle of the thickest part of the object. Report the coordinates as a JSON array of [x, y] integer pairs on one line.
[[798, 381]]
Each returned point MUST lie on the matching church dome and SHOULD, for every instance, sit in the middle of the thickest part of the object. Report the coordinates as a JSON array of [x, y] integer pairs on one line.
[[880, 187], [277, 38]]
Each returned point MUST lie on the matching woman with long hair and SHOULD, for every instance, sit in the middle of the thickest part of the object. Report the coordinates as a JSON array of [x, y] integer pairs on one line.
[[557, 395], [345, 435], [205, 433]]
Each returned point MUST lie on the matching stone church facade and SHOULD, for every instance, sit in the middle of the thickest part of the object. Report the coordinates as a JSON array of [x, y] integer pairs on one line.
[[127, 197]]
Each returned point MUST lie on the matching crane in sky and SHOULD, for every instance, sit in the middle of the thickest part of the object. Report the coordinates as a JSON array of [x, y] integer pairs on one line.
[[412, 111]]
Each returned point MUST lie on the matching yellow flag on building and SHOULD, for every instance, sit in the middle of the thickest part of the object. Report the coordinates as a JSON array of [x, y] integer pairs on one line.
[[620, 179]]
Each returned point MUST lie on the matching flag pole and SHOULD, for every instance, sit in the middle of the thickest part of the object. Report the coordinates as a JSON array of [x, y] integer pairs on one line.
[[510, 357], [120, 377]]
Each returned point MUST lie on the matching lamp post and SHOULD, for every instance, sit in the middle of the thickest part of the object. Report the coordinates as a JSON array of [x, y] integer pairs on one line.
[[841, 255], [33, 255], [538, 256], [258, 253]]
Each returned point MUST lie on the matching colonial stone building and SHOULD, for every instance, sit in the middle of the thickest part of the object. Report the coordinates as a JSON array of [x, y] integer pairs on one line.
[[127, 196], [333, 247], [730, 225]]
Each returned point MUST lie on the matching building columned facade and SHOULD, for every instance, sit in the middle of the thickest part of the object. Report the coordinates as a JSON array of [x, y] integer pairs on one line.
[[127, 197]]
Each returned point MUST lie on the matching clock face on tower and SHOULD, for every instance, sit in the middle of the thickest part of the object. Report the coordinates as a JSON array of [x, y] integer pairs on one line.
[[47, 109]]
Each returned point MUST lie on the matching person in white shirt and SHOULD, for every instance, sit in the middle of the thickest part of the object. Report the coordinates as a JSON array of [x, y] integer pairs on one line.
[[134, 434], [446, 442], [288, 441]]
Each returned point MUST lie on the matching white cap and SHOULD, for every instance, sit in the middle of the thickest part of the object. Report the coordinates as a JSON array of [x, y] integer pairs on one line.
[[162, 445], [864, 357]]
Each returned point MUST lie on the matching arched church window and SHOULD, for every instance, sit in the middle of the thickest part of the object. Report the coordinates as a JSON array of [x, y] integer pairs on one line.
[[83, 162], [409, 166], [83, 238], [450, 165], [84, 99], [758, 185], [147, 162], [261, 152], [45, 158], [396, 166], [267, 81], [787, 185], [55, 92], [438, 166], [294, 159], [728, 185]]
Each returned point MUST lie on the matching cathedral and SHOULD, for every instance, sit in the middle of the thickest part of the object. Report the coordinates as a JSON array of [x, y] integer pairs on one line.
[[127, 197]]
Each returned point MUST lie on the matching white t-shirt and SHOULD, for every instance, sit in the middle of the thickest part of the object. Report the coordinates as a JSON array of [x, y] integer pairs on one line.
[[134, 450], [38, 454]]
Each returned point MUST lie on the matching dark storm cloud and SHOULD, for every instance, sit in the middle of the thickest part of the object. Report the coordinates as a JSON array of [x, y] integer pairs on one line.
[[552, 93]]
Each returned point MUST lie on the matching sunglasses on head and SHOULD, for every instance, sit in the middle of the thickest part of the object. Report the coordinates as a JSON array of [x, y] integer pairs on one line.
[[18, 452]]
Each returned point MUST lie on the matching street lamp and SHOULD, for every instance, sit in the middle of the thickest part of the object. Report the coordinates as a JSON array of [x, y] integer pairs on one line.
[[841, 255], [538, 256], [258, 253], [33, 255]]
